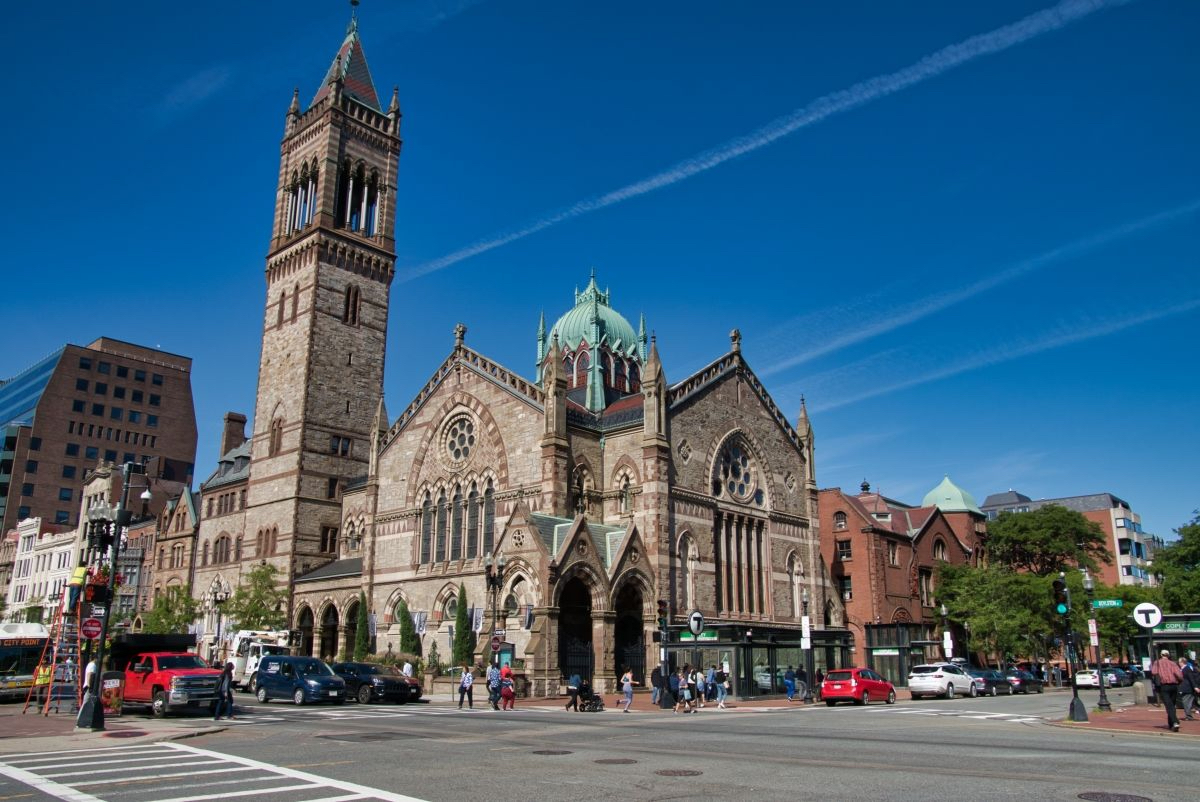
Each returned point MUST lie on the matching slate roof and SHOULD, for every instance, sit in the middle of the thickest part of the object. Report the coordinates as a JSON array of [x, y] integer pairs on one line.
[[334, 570], [554, 532], [1006, 498], [350, 65], [233, 466]]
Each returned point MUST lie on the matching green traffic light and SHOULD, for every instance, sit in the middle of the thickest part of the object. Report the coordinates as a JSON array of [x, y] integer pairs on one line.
[[1062, 608]]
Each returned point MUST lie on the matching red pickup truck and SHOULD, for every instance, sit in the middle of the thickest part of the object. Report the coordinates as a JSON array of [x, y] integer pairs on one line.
[[167, 680]]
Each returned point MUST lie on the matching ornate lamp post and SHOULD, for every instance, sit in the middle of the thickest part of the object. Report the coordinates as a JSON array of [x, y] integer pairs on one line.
[[806, 631], [947, 638], [1089, 585], [106, 527], [495, 583], [217, 596]]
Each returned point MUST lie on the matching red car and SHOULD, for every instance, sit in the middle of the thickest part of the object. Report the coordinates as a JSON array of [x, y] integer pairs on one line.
[[858, 685]]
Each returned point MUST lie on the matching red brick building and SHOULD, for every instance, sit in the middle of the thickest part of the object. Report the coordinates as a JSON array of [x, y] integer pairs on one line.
[[883, 556]]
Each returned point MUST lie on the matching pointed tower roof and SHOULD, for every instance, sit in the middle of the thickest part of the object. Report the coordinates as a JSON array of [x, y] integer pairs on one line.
[[350, 67], [949, 497]]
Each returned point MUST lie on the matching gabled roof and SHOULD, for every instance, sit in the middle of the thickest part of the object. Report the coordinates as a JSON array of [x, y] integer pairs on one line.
[[350, 65], [233, 466], [555, 531]]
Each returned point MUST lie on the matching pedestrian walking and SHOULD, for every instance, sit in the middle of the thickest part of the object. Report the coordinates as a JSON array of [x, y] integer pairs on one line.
[[493, 686], [789, 683], [689, 679], [684, 697], [701, 687], [464, 687], [656, 683], [408, 669], [508, 690], [573, 692], [224, 693], [722, 681], [710, 683], [1167, 677], [1189, 688]]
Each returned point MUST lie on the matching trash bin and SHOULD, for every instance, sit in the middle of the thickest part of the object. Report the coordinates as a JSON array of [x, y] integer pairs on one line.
[[112, 692]]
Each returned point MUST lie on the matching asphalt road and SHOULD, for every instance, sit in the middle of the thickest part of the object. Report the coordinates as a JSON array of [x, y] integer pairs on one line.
[[969, 749]]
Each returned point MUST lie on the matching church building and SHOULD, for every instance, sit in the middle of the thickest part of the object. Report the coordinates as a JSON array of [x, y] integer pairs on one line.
[[568, 504]]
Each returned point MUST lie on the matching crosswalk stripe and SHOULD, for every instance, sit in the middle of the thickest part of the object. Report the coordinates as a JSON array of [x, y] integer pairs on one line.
[[251, 792], [169, 774]]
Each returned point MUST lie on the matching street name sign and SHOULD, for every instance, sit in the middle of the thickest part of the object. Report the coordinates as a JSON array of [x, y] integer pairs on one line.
[[1099, 604]]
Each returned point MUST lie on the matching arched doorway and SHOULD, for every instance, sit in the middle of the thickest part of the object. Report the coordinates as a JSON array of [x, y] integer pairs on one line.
[[575, 629], [629, 634], [351, 629], [305, 625], [329, 633]]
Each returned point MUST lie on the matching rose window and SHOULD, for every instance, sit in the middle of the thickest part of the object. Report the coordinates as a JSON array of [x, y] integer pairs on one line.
[[736, 474], [460, 439]]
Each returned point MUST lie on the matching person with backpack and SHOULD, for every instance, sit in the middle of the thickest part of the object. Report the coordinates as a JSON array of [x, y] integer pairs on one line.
[[656, 685], [508, 689], [1189, 688], [789, 683], [722, 682]]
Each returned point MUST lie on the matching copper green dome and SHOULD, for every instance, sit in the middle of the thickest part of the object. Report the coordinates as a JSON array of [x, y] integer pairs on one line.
[[595, 322], [949, 497]]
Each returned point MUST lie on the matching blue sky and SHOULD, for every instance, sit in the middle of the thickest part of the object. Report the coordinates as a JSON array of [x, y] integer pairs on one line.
[[964, 232]]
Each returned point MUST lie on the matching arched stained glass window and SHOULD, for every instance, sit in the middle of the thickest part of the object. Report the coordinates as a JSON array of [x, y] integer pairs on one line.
[[426, 528], [440, 550], [489, 517]]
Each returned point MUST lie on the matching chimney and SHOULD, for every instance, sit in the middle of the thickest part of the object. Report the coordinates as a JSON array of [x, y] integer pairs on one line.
[[234, 432]]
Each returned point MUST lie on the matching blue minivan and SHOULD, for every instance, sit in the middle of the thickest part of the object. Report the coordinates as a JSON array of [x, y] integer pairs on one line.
[[301, 679]]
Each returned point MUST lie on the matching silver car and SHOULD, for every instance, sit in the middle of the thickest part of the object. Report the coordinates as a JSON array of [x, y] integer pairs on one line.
[[940, 679]]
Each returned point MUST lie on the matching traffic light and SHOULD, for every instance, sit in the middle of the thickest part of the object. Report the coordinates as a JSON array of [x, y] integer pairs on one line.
[[96, 594], [1062, 597], [663, 613]]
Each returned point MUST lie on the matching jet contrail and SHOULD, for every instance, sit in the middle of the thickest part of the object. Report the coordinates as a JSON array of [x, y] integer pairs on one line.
[[984, 44], [1007, 354], [936, 303]]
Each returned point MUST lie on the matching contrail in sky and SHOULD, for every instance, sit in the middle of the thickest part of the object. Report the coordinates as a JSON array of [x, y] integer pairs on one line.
[[984, 44], [1009, 353], [936, 303]]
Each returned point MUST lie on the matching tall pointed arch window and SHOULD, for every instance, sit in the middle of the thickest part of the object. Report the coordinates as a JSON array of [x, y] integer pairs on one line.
[[358, 197], [606, 367], [295, 302], [473, 522], [456, 522], [440, 550], [282, 304], [489, 517], [583, 363], [352, 305], [635, 379], [426, 528], [275, 438]]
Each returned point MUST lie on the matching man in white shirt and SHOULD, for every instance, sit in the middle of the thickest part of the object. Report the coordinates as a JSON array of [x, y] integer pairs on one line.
[[408, 669]]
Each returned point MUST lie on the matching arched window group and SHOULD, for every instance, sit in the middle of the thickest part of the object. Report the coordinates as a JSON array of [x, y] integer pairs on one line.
[[221, 550], [177, 555], [358, 198], [450, 523], [265, 541], [617, 372], [301, 198]]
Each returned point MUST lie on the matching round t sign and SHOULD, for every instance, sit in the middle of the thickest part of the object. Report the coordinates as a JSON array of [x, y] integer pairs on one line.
[[696, 622], [1147, 615], [90, 628]]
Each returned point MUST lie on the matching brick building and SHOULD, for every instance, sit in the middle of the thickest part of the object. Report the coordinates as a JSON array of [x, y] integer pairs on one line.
[[108, 401], [603, 486], [883, 556], [1131, 548]]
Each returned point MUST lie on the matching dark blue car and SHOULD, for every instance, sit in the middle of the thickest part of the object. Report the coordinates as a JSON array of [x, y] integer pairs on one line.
[[304, 680]]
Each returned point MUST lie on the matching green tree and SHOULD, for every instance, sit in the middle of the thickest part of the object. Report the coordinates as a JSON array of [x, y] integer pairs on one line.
[[1006, 612], [1179, 565], [462, 630], [173, 611], [1116, 624], [258, 602], [362, 635], [409, 642], [1046, 541]]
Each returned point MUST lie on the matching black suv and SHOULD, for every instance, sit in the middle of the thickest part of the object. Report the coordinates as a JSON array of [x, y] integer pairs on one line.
[[369, 682]]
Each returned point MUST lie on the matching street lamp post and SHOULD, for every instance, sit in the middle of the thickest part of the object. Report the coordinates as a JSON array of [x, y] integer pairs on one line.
[[106, 526], [806, 633], [219, 595], [495, 583], [947, 639], [1089, 585]]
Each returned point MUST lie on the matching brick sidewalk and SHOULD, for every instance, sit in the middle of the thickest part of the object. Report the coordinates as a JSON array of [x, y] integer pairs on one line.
[[33, 732], [1147, 719]]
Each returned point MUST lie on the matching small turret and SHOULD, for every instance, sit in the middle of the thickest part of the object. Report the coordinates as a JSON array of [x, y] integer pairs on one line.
[[293, 113]]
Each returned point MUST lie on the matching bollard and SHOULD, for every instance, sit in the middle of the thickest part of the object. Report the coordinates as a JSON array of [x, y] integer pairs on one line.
[[1139, 693]]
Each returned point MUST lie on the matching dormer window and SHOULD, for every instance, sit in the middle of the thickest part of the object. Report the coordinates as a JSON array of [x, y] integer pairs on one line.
[[839, 520]]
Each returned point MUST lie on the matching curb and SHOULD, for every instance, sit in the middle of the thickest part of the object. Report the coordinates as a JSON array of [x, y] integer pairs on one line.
[[1080, 727]]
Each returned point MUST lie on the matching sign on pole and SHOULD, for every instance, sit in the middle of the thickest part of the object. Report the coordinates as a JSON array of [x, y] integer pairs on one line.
[[1147, 615], [696, 622], [948, 644], [805, 627], [500, 633], [496, 643], [1100, 604], [90, 628]]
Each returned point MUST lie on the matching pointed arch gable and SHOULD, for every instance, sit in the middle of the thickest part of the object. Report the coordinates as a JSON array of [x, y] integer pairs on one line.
[[427, 448], [733, 432], [625, 466]]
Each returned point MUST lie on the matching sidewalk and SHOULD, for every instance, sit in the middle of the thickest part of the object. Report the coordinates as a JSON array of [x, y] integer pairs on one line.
[[641, 704], [1141, 719], [33, 732]]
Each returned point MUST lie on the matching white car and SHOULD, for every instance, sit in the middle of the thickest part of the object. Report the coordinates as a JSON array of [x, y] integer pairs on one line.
[[940, 679], [1086, 678]]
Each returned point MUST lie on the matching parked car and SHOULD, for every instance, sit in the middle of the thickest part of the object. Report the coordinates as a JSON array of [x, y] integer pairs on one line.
[[858, 685], [1117, 678], [940, 679], [301, 679], [414, 687], [990, 681], [1087, 678], [1024, 682], [371, 682]]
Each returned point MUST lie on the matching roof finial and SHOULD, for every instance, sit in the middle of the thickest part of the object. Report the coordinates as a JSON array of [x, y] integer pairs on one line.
[[865, 486], [460, 332], [735, 337]]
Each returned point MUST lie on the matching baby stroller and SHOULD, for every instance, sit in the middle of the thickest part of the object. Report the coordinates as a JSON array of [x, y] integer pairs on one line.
[[589, 700]]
